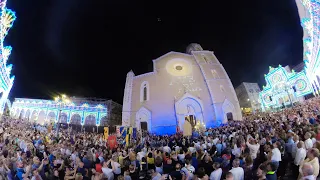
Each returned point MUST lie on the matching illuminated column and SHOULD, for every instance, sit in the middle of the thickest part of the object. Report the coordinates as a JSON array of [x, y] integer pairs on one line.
[[82, 119]]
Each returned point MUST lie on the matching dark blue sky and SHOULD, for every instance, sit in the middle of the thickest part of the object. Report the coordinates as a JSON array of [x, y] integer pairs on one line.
[[85, 48]]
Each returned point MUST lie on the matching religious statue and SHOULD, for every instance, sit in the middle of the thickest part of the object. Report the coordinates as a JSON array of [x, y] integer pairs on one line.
[[189, 124]]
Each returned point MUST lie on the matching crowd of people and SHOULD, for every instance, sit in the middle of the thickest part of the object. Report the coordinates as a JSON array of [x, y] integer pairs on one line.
[[274, 145]]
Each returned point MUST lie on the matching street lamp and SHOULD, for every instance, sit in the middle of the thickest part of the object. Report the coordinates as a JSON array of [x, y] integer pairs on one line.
[[62, 101]]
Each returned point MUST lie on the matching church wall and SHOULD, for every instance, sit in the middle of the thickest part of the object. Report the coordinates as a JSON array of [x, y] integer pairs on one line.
[[160, 103], [178, 81], [166, 89]]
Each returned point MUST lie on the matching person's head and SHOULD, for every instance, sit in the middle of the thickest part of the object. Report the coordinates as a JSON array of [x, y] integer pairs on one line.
[[178, 167], [201, 172], [277, 144], [249, 161], [261, 171], [236, 163], [206, 158], [300, 144], [20, 164], [36, 160], [216, 165], [307, 135], [229, 176], [307, 169], [312, 153], [23, 155], [296, 138], [120, 177], [271, 167], [150, 155], [132, 168], [35, 172], [56, 172], [188, 161]]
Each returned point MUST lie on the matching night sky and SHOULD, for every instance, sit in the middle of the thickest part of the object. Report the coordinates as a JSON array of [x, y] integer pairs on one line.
[[86, 47]]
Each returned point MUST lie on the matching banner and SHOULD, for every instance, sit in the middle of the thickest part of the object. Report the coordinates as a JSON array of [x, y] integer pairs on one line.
[[106, 133], [124, 131], [112, 141], [118, 131]]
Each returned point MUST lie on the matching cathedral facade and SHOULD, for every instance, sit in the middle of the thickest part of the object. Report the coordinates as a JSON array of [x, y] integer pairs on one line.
[[181, 84]]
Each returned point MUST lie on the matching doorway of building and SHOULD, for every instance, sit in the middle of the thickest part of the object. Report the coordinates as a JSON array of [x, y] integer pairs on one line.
[[144, 126], [229, 116]]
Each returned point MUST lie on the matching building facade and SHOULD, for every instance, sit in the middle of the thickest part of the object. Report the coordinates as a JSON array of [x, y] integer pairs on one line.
[[283, 88], [7, 19], [181, 84], [248, 96], [309, 12], [81, 111]]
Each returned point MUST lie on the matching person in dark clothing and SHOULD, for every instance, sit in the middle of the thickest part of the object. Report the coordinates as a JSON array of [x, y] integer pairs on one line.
[[132, 172], [271, 171], [261, 172], [177, 174], [167, 167], [207, 163]]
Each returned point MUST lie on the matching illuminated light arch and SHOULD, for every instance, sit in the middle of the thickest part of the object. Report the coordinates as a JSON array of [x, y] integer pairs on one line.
[[90, 120], [51, 116], [309, 12], [85, 105], [42, 117], [27, 114], [63, 117], [17, 112], [22, 113], [34, 115], [280, 85], [101, 117], [53, 110], [75, 119], [100, 106]]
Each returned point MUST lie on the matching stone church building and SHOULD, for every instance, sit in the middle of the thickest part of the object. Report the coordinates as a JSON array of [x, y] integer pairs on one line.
[[181, 84]]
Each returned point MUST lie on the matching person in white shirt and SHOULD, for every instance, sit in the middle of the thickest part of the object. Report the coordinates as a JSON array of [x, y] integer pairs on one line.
[[107, 171], [116, 167], [188, 169], [276, 154], [216, 174], [294, 146], [300, 155], [192, 148], [299, 158], [308, 142], [307, 172], [237, 172], [167, 149], [253, 146]]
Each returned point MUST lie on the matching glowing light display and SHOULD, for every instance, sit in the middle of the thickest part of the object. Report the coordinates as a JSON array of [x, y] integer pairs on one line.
[[284, 87], [309, 11], [7, 19], [71, 113]]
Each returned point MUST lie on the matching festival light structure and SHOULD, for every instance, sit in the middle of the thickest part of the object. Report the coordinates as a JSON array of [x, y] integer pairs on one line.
[[7, 19], [62, 110], [283, 88], [309, 12]]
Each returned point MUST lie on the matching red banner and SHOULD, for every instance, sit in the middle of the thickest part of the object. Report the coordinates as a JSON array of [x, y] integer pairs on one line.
[[112, 141]]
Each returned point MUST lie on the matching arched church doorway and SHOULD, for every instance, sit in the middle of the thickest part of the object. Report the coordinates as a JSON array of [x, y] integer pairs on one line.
[[143, 117], [229, 116], [228, 111], [188, 106], [144, 126]]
